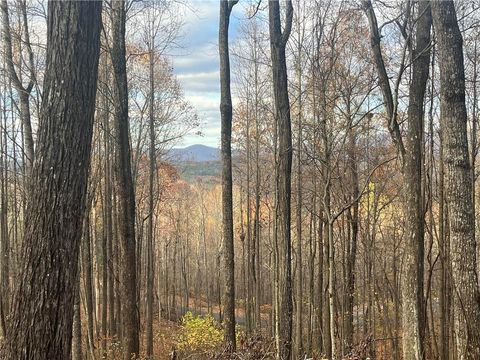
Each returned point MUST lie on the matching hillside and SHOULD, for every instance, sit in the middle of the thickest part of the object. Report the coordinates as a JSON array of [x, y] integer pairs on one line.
[[197, 162], [195, 153]]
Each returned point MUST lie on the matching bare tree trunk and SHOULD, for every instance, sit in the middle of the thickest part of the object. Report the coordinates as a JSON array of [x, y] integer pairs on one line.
[[413, 313], [116, 262], [256, 221], [109, 261], [4, 236], [321, 286], [87, 273], [311, 273], [103, 115], [453, 122], [278, 41], [104, 288], [411, 160], [151, 205], [40, 326], [250, 320], [125, 192], [299, 273], [353, 217], [331, 287], [227, 198], [328, 250]]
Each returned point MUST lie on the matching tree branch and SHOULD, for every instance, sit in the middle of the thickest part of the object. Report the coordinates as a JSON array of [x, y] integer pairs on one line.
[[288, 23]]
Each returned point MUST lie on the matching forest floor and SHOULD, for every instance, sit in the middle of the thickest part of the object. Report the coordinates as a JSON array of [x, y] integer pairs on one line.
[[170, 335], [201, 337], [166, 334]]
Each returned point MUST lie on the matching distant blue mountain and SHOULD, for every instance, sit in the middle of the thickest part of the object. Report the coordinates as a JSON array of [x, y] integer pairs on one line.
[[194, 153]]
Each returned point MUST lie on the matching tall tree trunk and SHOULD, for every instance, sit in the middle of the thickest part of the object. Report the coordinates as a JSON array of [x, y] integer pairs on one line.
[[331, 287], [353, 217], [227, 198], [40, 326], [311, 273], [250, 320], [104, 287], [103, 115], [411, 160], [87, 273], [151, 178], [256, 222], [125, 192], [109, 261], [4, 236], [445, 275], [116, 262], [278, 41], [458, 182], [328, 250], [299, 273], [413, 314], [321, 330], [319, 295]]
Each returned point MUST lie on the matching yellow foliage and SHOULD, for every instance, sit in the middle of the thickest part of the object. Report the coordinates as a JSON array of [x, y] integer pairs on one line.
[[199, 333]]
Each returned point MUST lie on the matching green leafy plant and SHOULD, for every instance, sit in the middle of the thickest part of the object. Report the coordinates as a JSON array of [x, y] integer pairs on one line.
[[199, 333]]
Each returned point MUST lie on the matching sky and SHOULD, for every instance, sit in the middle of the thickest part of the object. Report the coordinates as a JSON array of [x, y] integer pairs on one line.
[[196, 64], [197, 68]]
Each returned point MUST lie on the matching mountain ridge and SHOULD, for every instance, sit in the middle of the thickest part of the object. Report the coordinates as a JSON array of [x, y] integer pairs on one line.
[[195, 153]]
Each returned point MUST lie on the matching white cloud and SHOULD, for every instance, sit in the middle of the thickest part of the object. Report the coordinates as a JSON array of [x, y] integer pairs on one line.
[[197, 68], [200, 81]]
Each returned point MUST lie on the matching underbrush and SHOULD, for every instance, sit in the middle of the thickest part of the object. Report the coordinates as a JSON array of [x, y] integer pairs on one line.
[[199, 334], [201, 337]]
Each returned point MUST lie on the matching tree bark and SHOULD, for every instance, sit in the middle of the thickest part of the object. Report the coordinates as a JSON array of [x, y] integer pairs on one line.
[[353, 217], [299, 271], [4, 235], [109, 261], [413, 313], [411, 161], [278, 41], [151, 178], [40, 326], [458, 182], [227, 198], [124, 184], [87, 273], [256, 221]]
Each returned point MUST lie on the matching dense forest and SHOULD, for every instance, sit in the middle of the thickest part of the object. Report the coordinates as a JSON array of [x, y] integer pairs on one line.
[[335, 220]]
